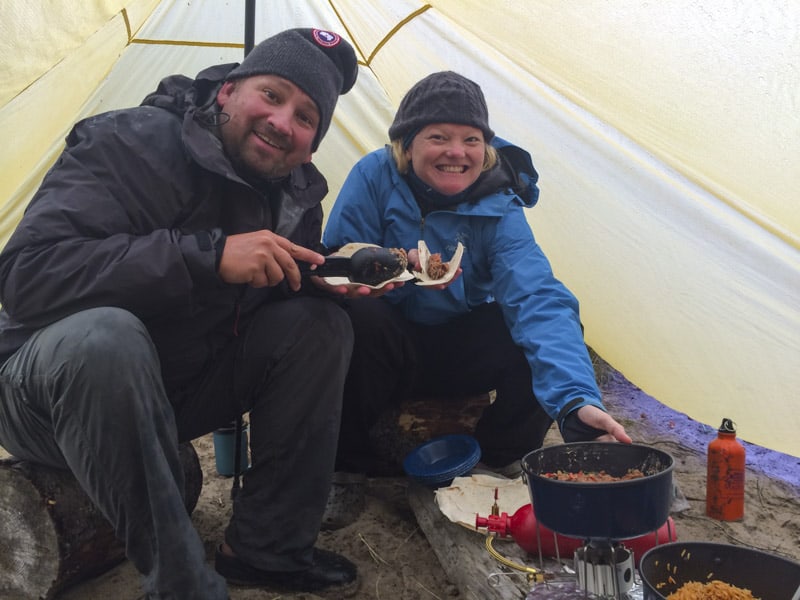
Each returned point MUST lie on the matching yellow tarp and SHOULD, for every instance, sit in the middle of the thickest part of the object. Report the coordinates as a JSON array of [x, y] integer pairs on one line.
[[667, 136]]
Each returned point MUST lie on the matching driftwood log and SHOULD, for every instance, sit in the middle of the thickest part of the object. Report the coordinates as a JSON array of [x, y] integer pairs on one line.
[[52, 536], [463, 554]]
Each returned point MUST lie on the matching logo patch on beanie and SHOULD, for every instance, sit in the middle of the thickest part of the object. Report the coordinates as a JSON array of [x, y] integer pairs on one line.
[[326, 39]]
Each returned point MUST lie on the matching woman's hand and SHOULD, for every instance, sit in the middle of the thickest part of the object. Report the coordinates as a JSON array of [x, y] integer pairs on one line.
[[599, 419], [446, 284]]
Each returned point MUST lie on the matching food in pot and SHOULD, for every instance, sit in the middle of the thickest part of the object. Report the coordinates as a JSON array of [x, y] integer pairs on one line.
[[592, 476], [713, 590]]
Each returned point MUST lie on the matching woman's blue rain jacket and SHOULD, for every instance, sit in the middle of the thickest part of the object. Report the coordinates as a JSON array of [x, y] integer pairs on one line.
[[502, 262]]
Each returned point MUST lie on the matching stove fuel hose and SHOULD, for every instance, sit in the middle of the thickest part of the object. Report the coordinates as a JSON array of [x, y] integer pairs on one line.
[[533, 575]]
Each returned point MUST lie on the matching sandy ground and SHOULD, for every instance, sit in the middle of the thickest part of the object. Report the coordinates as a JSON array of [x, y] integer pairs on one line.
[[397, 562]]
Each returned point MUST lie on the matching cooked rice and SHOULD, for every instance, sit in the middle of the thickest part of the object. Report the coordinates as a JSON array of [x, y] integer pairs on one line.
[[713, 590]]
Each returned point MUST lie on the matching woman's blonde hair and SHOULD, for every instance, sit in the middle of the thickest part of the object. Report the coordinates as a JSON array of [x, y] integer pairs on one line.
[[399, 155]]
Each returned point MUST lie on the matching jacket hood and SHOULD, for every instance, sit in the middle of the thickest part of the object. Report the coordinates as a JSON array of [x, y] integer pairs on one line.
[[193, 101], [180, 94], [515, 171]]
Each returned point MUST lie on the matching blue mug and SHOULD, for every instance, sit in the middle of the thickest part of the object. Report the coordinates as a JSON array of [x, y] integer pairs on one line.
[[224, 448]]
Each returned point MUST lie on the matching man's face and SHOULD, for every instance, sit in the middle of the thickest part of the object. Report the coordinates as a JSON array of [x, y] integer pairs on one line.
[[271, 128]]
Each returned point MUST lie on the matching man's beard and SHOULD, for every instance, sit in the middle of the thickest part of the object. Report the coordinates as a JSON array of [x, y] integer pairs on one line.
[[258, 176]]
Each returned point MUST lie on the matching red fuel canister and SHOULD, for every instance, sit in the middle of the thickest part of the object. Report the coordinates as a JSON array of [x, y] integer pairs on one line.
[[725, 477], [521, 526]]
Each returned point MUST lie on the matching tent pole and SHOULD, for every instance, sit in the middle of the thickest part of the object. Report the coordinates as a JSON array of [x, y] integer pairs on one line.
[[249, 42], [249, 25]]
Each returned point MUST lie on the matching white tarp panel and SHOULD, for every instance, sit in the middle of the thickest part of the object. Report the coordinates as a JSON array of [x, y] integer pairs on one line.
[[666, 136]]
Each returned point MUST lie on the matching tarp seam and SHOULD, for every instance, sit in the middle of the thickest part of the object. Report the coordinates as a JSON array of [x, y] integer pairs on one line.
[[395, 29]]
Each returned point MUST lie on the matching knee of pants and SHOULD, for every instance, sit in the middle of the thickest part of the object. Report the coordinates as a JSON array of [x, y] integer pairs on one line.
[[81, 369], [102, 351], [336, 320], [105, 335], [329, 321], [374, 321], [303, 324]]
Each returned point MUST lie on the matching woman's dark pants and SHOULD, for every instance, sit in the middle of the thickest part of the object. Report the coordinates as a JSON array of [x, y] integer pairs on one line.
[[395, 359]]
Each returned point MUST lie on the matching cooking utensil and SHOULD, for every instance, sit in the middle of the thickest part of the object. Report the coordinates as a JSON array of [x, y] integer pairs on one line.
[[370, 265], [667, 567], [612, 510]]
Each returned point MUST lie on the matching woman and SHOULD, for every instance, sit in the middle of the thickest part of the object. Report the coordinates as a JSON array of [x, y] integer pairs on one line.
[[505, 324]]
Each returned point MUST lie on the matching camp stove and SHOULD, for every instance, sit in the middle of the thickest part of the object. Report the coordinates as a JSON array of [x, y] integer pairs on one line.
[[601, 568], [569, 568], [603, 513]]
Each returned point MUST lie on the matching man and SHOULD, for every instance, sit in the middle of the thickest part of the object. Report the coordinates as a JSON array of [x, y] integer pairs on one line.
[[151, 294]]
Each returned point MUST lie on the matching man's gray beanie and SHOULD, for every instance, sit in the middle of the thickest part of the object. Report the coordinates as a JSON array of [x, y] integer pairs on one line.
[[444, 97], [319, 62]]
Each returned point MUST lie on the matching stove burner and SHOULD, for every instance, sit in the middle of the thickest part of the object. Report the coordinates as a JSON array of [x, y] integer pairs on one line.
[[604, 568]]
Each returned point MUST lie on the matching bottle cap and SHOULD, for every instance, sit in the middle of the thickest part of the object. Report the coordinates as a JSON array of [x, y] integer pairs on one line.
[[727, 426]]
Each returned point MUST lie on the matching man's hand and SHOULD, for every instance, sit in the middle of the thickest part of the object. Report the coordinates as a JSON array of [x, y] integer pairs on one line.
[[599, 419], [263, 258]]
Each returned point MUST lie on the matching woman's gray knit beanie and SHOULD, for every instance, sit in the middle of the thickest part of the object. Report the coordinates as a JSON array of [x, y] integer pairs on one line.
[[444, 97]]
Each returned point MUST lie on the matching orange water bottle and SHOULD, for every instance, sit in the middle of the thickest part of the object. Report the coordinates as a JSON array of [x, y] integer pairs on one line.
[[725, 480]]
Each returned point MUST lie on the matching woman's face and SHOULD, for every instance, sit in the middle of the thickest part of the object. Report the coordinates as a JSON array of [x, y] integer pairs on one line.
[[448, 157]]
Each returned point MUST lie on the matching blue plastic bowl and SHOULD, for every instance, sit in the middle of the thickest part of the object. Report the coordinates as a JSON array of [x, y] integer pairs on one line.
[[437, 462]]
